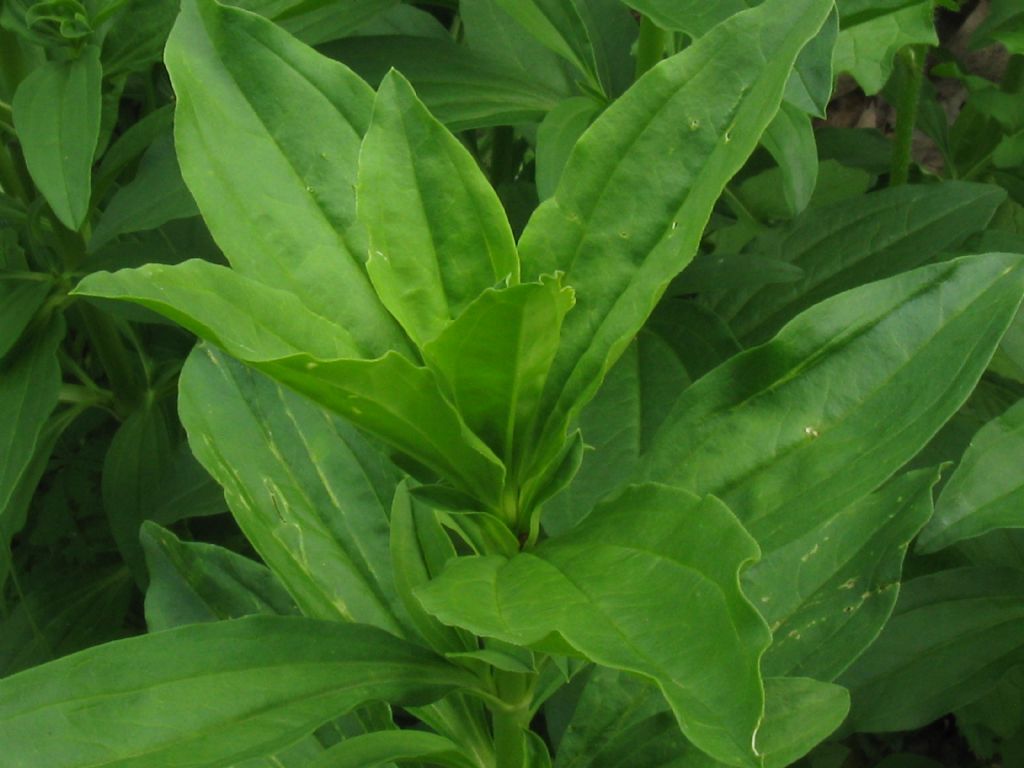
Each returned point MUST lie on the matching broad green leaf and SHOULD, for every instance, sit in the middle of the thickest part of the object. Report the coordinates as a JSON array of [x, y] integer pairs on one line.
[[648, 583], [636, 192], [790, 140], [694, 17], [251, 320], [438, 235], [132, 467], [463, 88], [953, 636], [263, 682], [810, 86], [57, 118], [986, 491], [136, 39], [155, 196], [267, 133], [832, 406], [29, 385], [852, 242], [557, 135], [828, 594], [307, 491], [21, 299], [867, 44], [510, 336], [385, 747], [192, 582], [799, 713], [64, 613]]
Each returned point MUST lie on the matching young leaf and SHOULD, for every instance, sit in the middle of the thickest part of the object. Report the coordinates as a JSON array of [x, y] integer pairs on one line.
[[636, 192], [986, 490], [511, 337], [57, 119], [647, 583], [268, 133], [897, 229], [790, 139], [263, 682], [308, 492], [828, 594], [192, 582], [825, 412], [953, 635], [438, 235]]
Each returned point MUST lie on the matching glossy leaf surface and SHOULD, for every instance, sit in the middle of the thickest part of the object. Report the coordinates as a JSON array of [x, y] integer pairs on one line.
[[647, 583]]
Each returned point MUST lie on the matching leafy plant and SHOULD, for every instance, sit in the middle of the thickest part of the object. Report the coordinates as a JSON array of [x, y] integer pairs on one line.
[[598, 441]]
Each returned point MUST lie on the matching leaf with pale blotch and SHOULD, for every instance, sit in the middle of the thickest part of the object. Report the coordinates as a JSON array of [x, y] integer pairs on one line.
[[647, 583]]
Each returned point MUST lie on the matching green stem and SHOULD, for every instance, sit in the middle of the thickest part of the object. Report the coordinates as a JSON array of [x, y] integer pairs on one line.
[[511, 721], [912, 60], [650, 46]]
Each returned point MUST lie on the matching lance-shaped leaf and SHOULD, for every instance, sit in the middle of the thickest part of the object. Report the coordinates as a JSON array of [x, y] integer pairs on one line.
[[263, 682], [852, 242], [647, 583], [271, 330], [193, 582], [511, 337], [828, 594], [846, 394], [438, 235], [267, 133], [637, 191], [306, 490], [57, 118], [953, 636], [987, 490]]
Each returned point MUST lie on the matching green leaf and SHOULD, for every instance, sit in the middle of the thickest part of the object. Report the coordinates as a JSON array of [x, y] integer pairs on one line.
[[132, 467], [308, 492], [799, 713], [557, 135], [790, 140], [895, 230], [29, 385], [21, 299], [810, 86], [57, 118], [830, 408], [647, 583], [953, 636], [986, 490], [155, 196], [463, 88], [828, 594], [636, 192], [268, 134], [66, 611], [192, 582], [694, 17], [1004, 23], [867, 44], [511, 337], [384, 747], [437, 232], [263, 682]]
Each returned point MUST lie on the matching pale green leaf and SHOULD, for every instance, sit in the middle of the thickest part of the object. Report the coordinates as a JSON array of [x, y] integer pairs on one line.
[[57, 118], [263, 682], [647, 583], [637, 191], [438, 235], [268, 133]]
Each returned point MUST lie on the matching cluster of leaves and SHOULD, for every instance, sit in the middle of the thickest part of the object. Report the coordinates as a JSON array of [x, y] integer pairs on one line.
[[636, 423]]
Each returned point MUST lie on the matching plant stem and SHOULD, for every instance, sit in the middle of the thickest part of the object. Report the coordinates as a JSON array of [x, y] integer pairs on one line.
[[912, 60], [511, 721], [650, 46]]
